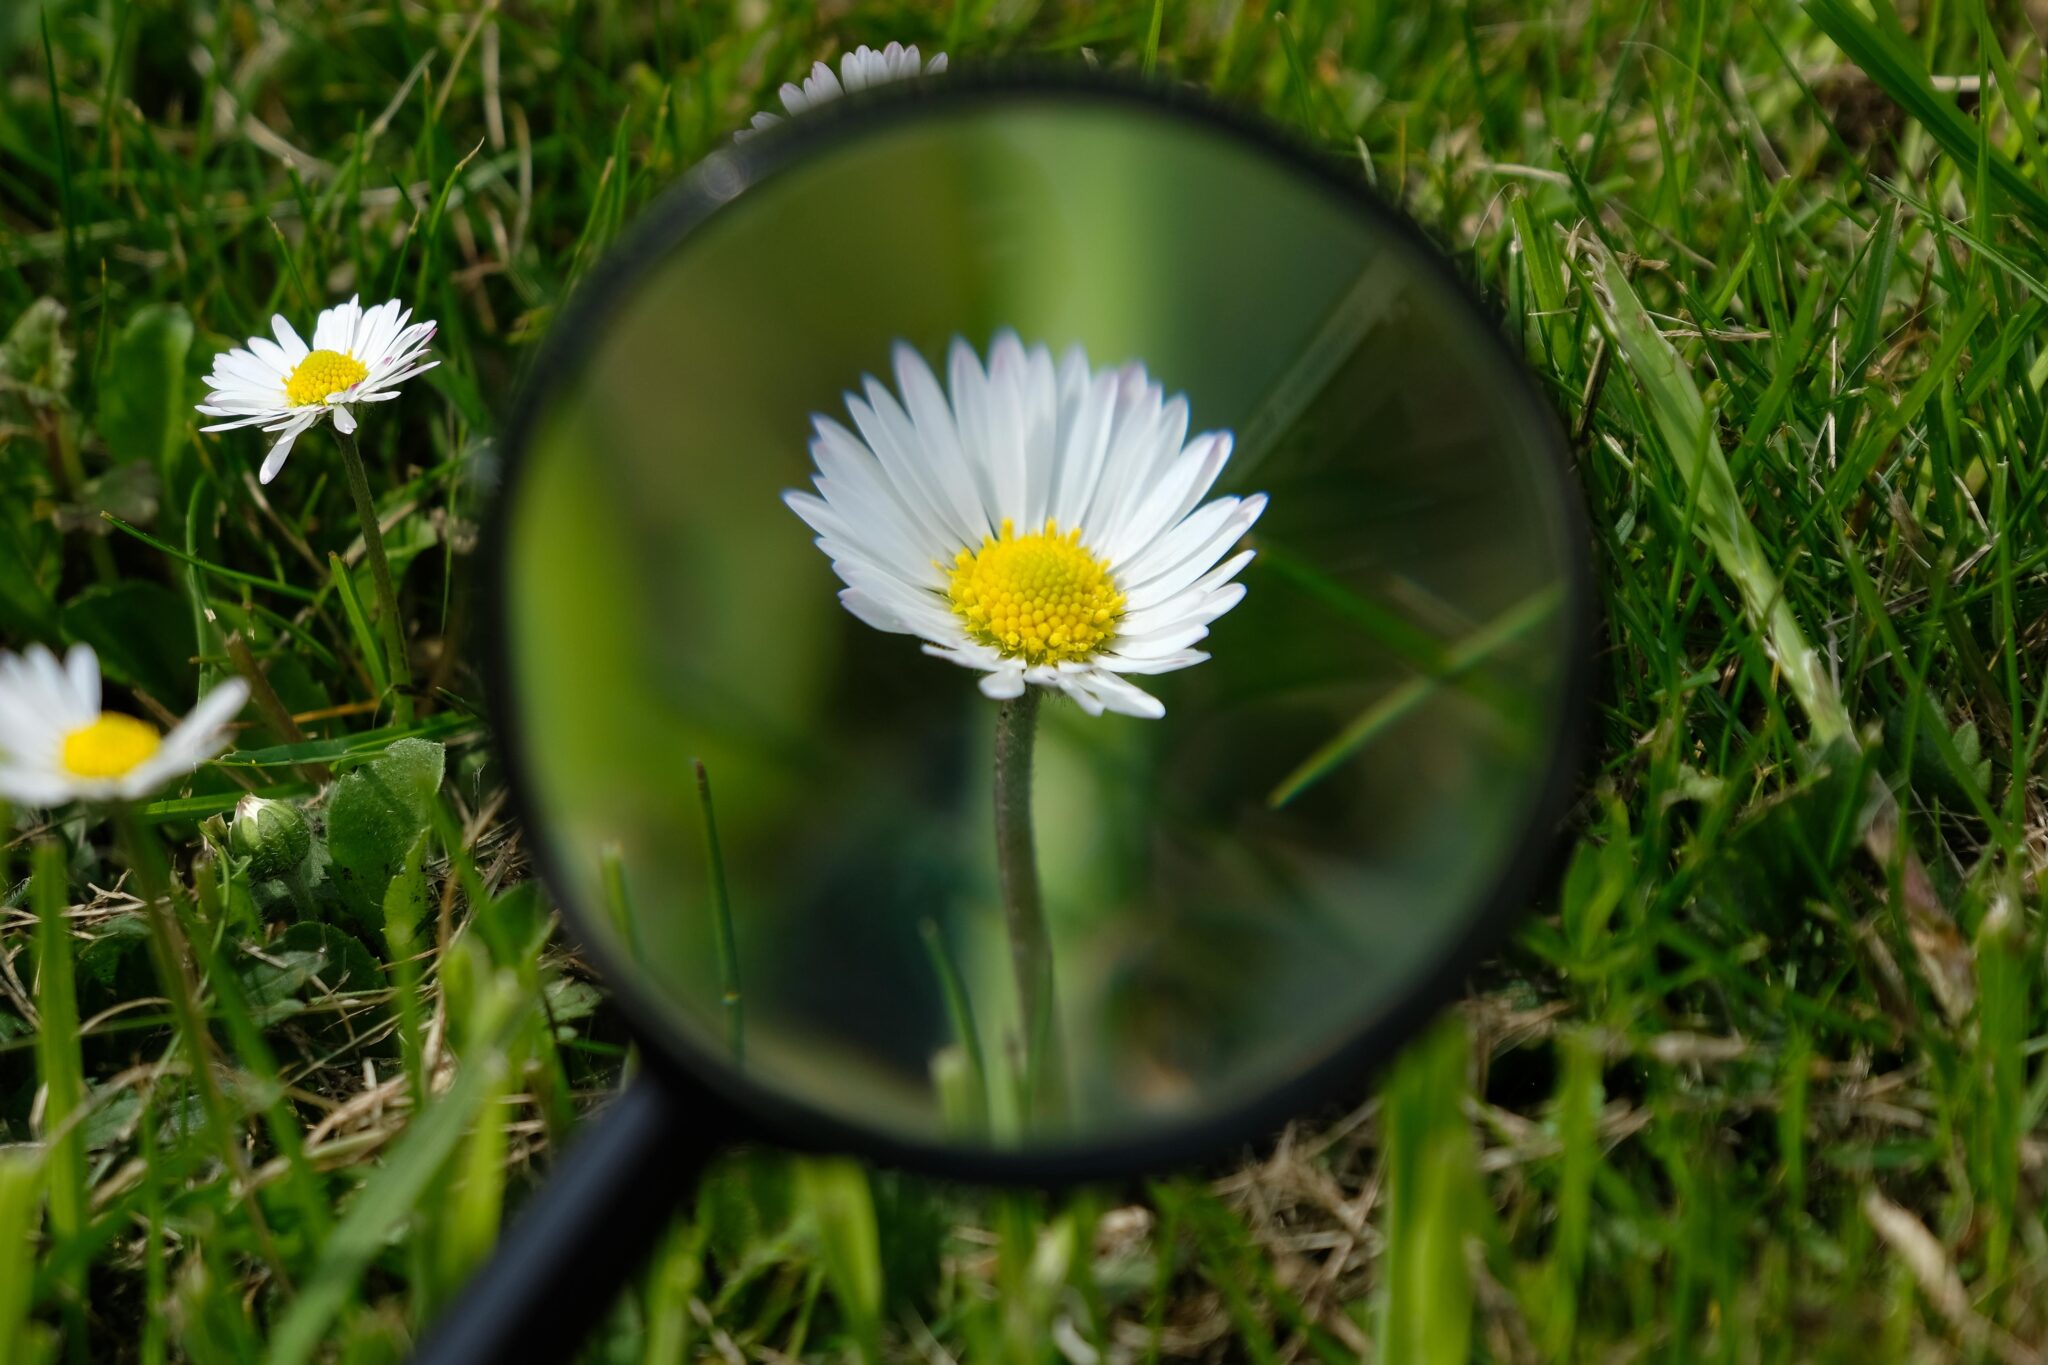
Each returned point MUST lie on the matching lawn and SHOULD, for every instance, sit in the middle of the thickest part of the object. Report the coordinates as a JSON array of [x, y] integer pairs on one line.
[[1758, 1076]]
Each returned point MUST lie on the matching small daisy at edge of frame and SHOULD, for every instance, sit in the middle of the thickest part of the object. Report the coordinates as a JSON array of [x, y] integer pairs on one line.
[[358, 355], [1042, 523], [858, 70], [57, 745]]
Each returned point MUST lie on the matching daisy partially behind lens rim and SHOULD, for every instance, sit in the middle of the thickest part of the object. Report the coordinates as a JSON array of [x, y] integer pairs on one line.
[[858, 70], [1040, 522], [57, 745], [358, 355]]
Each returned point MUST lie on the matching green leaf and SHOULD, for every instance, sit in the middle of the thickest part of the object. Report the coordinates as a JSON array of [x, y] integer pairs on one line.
[[142, 396], [343, 966], [375, 815], [273, 981], [118, 943], [142, 633], [35, 361], [127, 492], [308, 962], [569, 1000], [110, 1125], [30, 565]]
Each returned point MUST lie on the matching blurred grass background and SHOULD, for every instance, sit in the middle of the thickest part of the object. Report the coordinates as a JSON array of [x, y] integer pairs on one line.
[[1760, 1078]]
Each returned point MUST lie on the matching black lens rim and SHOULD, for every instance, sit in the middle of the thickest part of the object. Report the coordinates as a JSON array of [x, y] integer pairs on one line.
[[664, 228]]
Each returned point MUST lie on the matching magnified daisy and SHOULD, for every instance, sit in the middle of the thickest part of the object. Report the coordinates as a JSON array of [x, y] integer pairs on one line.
[[358, 355], [858, 70], [57, 745], [1040, 522]]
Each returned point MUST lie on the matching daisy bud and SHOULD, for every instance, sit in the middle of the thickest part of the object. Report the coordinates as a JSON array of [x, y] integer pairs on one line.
[[272, 835]]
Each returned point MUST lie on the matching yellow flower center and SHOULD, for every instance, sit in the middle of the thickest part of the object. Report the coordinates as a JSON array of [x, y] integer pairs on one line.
[[322, 373], [1039, 597], [110, 746]]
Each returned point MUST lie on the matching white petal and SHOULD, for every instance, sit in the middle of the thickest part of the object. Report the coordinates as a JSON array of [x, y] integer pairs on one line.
[[37, 706], [972, 654], [857, 485], [998, 404], [923, 612], [33, 786], [1003, 684], [1159, 596], [1168, 640], [1136, 465], [26, 732], [1122, 697], [272, 355], [344, 420], [872, 613], [1187, 551], [853, 519], [334, 326], [967, 387], [198, 737], [241, 369], [82, 668], [938, 437], [67, 705], [1086, 424], [274, 461], [1169, 663], [255, 419], [911, 471], [288, 340], [1174, 493]]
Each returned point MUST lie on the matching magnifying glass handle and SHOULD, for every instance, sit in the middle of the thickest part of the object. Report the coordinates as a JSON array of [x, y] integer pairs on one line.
[[584, 1234]]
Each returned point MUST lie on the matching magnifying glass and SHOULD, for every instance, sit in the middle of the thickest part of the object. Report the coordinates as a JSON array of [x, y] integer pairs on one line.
[[1038, 630]]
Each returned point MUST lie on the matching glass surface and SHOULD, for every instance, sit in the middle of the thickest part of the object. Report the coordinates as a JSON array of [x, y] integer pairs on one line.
[[1231, 892]]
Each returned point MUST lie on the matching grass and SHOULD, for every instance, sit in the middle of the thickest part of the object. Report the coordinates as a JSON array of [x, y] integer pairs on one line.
[[1759, 1079]]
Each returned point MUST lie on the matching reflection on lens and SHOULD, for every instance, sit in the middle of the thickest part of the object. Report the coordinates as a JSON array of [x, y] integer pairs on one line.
[[1034, 626]]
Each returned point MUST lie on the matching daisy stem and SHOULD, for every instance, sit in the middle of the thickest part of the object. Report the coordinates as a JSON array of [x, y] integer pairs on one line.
[[389, 624], [1023, 908]]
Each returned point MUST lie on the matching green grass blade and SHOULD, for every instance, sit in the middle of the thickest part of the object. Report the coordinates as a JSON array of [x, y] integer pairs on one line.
[[1900, 73], [1401, 700], [1432, 1203], [1687, 433], [21, 1198], [402, 1181]]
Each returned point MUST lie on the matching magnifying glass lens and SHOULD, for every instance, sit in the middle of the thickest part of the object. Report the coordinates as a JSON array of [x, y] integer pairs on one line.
[[1047, 490]]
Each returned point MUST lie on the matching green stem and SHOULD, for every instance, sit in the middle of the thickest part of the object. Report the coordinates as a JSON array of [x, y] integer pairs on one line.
[[1023, 907], [389, 623]]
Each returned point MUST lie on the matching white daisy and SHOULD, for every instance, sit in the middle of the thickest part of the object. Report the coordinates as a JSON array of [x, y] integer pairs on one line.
[[358, 355], [56, 745], [1040, 523], [858, 70]]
